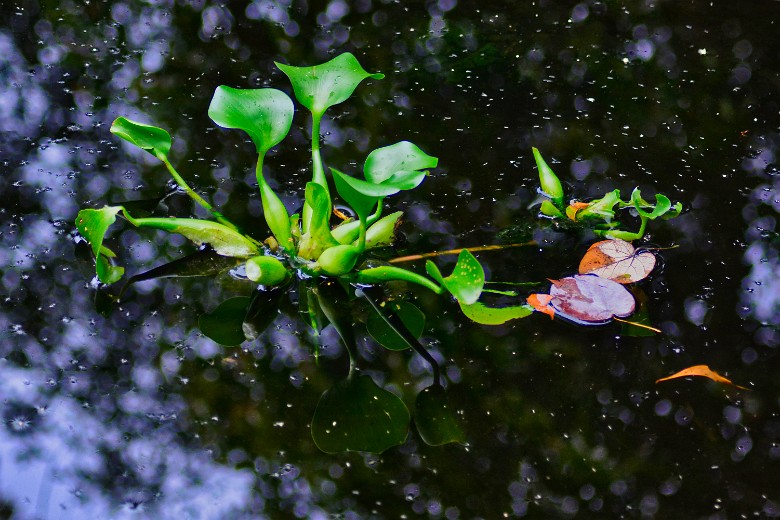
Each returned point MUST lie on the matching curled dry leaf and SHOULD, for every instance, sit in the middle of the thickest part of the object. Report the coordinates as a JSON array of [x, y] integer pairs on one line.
[[617, 260], [588, 299], [541, 303], [703, 371]]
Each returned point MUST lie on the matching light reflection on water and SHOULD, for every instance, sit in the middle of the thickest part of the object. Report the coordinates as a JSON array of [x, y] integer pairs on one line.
[[137, 414]]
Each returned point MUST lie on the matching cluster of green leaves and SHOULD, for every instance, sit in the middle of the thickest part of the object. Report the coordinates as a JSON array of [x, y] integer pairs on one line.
[[600, 213]]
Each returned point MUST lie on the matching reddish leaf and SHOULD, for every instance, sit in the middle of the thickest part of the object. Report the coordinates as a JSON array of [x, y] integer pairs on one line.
[[617, 260], [541, 303], [703, 371], [588, 299]]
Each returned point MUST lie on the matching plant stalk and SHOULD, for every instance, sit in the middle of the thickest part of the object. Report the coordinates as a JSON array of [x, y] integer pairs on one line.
[[194, 196]]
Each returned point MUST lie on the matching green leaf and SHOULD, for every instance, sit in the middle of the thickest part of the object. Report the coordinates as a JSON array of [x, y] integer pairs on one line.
[[382, 232], [339, 260], [467, 278], [154, 140], [265, 114], [436, 420], [662, 205], [224, 324], [551, 185], [385, 164], [484, 315], [318, 237], [412, 318], [93, 225], [602, 208], [361, 195], [357, 415], [331, 83], [222, 239]]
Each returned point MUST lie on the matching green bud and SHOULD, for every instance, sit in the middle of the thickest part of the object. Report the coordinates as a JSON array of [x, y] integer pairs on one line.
[[266, 270], [338, 260], [382, 233], [551, 186]]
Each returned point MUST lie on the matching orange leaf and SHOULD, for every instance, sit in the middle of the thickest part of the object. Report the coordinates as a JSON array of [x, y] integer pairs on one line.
[[701, 370], [574, 207], [541, 303]]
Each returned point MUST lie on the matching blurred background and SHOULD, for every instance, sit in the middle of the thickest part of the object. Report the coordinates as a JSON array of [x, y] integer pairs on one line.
[[134, 413]]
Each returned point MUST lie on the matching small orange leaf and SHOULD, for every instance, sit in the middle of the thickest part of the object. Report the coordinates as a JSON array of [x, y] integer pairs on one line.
[[574, 207], [701, 370], [541, 303]]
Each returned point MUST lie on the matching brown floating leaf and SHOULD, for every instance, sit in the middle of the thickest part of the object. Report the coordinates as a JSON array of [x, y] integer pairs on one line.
[[617, 260], [588, 299], [703, 371], [541, 303]]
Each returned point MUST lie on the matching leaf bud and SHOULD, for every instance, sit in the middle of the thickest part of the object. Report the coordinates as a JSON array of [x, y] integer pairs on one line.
[[551, 186], [338, 260]]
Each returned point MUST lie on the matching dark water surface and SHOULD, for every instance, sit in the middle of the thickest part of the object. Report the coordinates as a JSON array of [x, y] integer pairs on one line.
[[137, 415]]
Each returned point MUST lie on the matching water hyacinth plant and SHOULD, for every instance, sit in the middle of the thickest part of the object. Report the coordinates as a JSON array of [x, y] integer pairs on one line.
[[332, 262]]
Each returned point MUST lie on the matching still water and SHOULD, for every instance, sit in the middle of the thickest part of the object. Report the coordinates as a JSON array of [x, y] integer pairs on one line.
[[135, 414]]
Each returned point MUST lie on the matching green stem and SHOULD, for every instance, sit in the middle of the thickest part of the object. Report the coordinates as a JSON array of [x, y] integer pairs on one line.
[[318, 171], [362, 236], [273, 209], [194, 196], [388, 273]]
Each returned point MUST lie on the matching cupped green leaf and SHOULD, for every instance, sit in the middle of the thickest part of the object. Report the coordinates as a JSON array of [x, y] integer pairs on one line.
[[339, 260], [382, 232], [265, 114], [93, 225], [467, 278], [436, 419], [154, 140], [225, 323], [361, 195], [405, 179], [322, 86], [358, 415], [484, 315], [549, 209], [551, 185], [412, 318], [384, 163], [222, 239]]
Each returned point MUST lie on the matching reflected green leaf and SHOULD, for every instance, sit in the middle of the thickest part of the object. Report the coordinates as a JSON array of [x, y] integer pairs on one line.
[[412, 318], [484, 315], [265, 114], [358, 415], [436, 420], [225, 323], [467, 278], [263, 310], [154, 140], [322, 86], [393, 163]]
